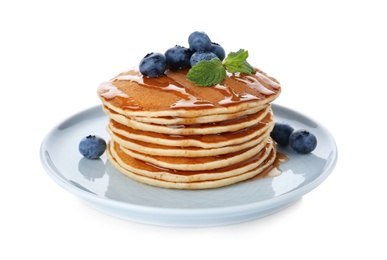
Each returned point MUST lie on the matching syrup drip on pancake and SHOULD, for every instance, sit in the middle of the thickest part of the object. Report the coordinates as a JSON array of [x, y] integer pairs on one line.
[[108, 91], [231, 96], [254, 83], [169, 84], [235, 89]]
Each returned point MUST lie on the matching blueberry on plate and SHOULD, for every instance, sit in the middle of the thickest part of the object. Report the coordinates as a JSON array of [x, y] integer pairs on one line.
[[153, 64], [281, 133], [218, 50], [199, 41], [302, 141], [92, 146], [199, 56], [178, 57]]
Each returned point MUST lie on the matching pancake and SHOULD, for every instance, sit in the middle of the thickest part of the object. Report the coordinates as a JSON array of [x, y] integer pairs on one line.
[[155, 176], [197, 120], [132, 94], [203, 141], [193, 129], [162, 150], [168, 132], [197, 163], [176, 151], [142, 168]]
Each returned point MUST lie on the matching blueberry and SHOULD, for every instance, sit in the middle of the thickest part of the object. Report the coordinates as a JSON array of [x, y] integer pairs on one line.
[[199, 41], [281, 133], [153, 64], [178, 57], [302, 141], [92, 146], [218, 50], [199, 56]]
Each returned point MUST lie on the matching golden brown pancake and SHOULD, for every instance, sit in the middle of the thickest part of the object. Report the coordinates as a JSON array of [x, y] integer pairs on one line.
[[197, 120], [203, 141], [186, 151], [197, 163], [161, 177], [194, 129], [131, 94]]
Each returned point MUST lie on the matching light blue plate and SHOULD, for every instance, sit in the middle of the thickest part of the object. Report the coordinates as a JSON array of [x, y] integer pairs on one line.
[[101, 186]]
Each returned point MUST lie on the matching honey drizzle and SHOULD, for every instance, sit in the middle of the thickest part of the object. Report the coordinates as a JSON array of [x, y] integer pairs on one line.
[[109, 90], [168, 84], [274, 170], [259, 82], [254, 83], [231, 97]]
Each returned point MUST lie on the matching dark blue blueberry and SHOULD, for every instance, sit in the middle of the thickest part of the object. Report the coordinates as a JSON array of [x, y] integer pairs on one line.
[[199, 56], [178, 57], [218, 50], [281, 133], [153, 64], [92, 146], [302, 141], [199, 41]]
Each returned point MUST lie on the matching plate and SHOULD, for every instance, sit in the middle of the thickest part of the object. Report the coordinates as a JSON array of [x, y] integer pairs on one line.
[[98, 184]]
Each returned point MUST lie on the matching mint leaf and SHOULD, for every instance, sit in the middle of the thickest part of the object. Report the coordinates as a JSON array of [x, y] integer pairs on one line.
[[212, 72], [207, 72], [236, 62]]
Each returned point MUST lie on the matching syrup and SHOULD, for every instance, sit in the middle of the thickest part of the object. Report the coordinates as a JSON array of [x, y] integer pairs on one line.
[[274, 169], [233, 89], [167, 84]]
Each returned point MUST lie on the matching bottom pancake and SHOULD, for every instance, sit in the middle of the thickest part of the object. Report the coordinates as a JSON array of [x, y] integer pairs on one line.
[[161, 177]]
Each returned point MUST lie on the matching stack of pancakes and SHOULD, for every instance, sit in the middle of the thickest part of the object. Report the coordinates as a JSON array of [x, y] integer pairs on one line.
[[168, 132]]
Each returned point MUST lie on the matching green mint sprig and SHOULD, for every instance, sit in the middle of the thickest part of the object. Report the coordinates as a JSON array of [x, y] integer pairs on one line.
[[212, 72], [207, 72], [237, 62]]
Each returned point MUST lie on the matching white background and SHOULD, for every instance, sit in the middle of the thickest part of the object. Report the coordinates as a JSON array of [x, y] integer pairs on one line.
[[330, 57]]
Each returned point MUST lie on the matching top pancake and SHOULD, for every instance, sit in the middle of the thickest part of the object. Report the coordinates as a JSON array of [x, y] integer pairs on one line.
[[133, 95]]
